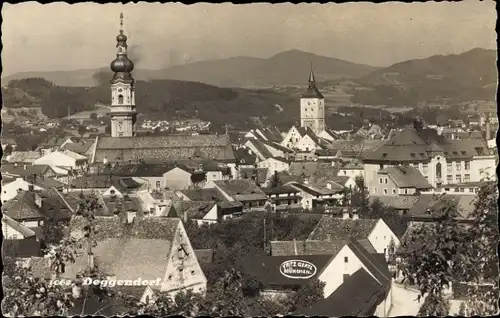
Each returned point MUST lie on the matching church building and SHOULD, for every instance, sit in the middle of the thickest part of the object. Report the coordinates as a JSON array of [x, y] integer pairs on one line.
[[124, 146], [312, 107]]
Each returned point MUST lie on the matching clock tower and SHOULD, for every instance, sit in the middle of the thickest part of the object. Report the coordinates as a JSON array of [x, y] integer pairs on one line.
[[123, 113], [312, 107]]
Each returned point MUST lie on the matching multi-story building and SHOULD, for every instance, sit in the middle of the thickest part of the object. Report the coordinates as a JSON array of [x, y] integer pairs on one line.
[[440, 161], [312, 107]]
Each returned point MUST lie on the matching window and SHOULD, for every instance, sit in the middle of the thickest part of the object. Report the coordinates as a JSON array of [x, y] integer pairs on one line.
[[462, 190], [425, 167], [426, 178], [449, 167], [459, 165], [380, 180], [406, 191], [147, 299], [449, 179], [438, 170], [385, 191], [120, 99], [158, 184], [467, 178], [381, 166], [375, 190], [346, 259], [393, 191], [471, 190], [14, 236], [458, 178], [467, 165], [385, 181]]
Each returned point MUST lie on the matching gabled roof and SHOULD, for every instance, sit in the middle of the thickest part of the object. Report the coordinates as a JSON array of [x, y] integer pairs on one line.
[[267, 268], [144, 169], [340, 180], [261, 173], [238, 189], [307, 247], [24, 156], [398, 202], [435, 204], [22, 207], [376, 265], [210, 194], [243, 157], [103, 181], [314, 171], [314, 189], [121, 245], [127, 204], [349, 300], [54, 206], [279, 190], [339, 229], [261, 148], [193, 209], [78, 147], [25, 232], [406, 176]]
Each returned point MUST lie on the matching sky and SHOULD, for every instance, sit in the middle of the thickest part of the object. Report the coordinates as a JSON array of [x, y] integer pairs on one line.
[[60, 36]]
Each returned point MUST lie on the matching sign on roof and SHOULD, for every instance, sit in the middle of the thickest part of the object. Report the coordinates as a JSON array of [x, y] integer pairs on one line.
[[297, 269]]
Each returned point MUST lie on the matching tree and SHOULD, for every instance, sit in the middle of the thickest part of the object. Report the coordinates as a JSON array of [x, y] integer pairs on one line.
[[359, 197], [275, 180], [397, 223], [446, 252], [308, 295], [53, 231], [82, 130]]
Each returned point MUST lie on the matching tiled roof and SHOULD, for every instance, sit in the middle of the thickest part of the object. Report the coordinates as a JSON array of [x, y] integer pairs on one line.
[[78, 147], [312, 92], [397, 202], [285, 177], [26, 232], [406, 176], [128, 204], [349, 300], [22, 207], [121, 246], [23, 171], [103, 181], [244, 158], [435, 204], [143, 169], [315, 190], [54, 206], [160, 148], [314, 171], [193, 209], [354, 164], [267, 268], [24, 156], [376, 265], [261, 147], [410, 145], [211, 194], [279, 190], [339, 229], [239, 187], [340, 180], [307, 247], [73, 155]]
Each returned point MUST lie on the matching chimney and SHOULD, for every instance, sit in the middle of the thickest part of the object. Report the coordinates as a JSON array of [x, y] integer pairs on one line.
[[329, 185], [295, 247], [38, 200], [345, 214], [131, 216], [31, 188]]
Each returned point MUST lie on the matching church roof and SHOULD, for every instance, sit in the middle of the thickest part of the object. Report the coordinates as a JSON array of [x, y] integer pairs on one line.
[[312, 91], [153, 149]]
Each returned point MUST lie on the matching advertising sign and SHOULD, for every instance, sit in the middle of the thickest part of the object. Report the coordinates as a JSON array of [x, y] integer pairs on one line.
[[297, 269]]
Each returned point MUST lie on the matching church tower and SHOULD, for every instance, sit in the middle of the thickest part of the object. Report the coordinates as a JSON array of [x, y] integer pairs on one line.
[[312, 107], [123, 113]]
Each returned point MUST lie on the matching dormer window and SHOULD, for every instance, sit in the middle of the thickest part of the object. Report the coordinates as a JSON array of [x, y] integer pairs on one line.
[[412, 154]]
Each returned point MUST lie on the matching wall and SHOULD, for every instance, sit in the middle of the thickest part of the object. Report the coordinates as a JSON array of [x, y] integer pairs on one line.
[[312, 114], [307, 144], [177, 179], [212, 216], [10, 233], [383, 182], [381, 236], [404, 301], [56, 159], [152, 181], [115, 192], [192, 276], [291, 138], [9, 190], [384, 307]]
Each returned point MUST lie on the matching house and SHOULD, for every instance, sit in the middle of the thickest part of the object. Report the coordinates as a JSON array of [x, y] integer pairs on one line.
[[285, 274], [349, 300], [245, 157], [293, 136], [375, 230], [41, 171], [345, 182], [257, 175], [263, 149], [157, 176], [31, 209], [11, 190], [158, 149], [313, 171], [310, 142], [439, 160], [153, 249], [329, 135], [274, 164], [244, 191], [23, 157], [63, 158], [399, 180], [109, 184], [155, 203], [318, 196], [429, 207], [352, 168], [13, 230], [283, 197], [271, 134], [84, 148]]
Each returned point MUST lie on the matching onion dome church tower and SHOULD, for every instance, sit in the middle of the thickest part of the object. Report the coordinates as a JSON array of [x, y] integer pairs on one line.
[[312, 107], [123, 113]]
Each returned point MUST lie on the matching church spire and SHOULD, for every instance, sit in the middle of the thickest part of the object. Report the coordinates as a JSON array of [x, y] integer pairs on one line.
[[122, 66], [312, 81]]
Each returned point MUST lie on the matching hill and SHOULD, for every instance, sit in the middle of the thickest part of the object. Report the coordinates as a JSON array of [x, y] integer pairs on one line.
[[290, 67], [163, 99], [452, 78]]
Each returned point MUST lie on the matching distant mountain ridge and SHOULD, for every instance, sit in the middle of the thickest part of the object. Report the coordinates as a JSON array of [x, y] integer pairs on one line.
[[289, 67]]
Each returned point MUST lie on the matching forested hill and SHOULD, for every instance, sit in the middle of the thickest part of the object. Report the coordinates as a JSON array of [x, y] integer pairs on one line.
[[161, 99], [457, 77]]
